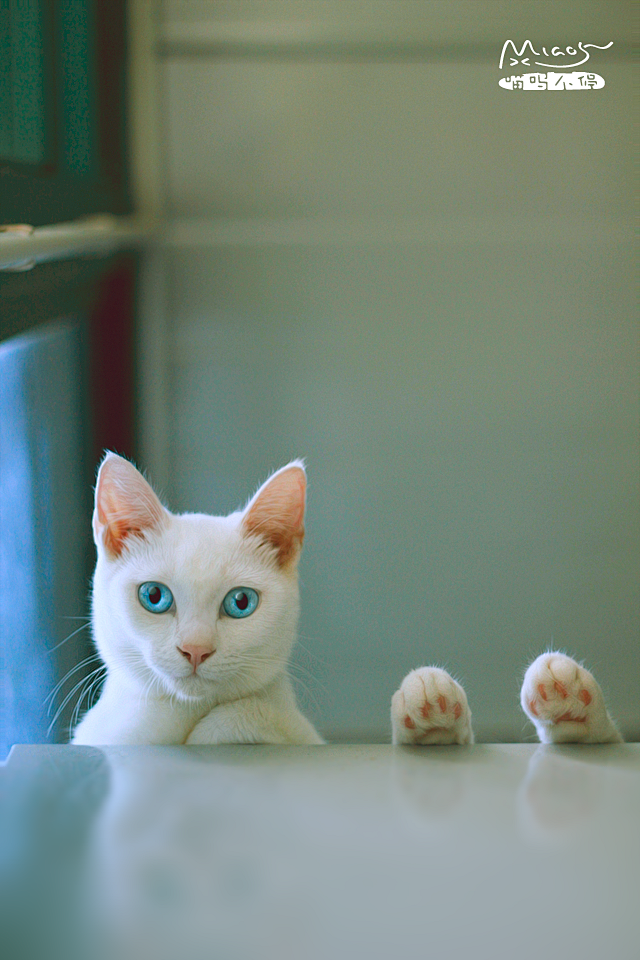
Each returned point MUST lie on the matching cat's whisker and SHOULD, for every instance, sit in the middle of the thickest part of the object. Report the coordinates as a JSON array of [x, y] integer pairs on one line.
[[296, 668], [93, 679], [147, 689], [94, 689], [76, 709], [299, 682], [158, 685], [71, 635], [66, 701], [87, 660], [300, 637], [136, 664], [300, 670], [241, 669]]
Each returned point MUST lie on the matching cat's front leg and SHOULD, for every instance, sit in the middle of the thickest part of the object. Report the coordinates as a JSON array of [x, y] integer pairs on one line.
[[430, 708], [125, 716], [254, 719], [565, 703]]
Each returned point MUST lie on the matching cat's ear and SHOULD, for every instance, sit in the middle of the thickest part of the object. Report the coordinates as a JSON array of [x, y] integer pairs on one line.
[[125, 505], [276, 513]]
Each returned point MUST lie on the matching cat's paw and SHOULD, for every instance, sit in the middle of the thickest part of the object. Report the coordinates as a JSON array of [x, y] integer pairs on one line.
[[565, 703], [430, 707]]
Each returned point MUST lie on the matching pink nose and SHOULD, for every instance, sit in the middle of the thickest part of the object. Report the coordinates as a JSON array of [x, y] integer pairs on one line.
[[195, 654]]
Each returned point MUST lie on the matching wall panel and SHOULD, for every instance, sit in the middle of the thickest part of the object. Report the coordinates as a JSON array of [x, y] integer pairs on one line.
[[423, 285]]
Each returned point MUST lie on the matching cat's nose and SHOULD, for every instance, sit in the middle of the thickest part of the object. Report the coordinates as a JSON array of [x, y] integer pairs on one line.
[[195, 654]]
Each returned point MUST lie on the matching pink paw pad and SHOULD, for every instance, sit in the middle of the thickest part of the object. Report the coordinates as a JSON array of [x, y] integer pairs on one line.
[[565, 702], [431, 707], [558, 691]]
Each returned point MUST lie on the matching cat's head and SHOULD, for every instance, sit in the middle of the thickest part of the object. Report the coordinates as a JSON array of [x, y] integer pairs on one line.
[[194, 605]]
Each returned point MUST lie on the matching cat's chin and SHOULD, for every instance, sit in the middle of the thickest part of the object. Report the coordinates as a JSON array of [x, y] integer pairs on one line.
[[189, 689]]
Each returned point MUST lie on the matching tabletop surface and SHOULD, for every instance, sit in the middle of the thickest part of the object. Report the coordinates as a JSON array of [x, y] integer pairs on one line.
[[263, 852]]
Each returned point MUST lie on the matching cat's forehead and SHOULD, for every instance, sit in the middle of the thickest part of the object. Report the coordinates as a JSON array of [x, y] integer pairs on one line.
[[204, 548], [206, 527]]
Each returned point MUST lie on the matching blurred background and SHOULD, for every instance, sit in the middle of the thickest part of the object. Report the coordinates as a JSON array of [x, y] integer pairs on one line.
[[333, 236]]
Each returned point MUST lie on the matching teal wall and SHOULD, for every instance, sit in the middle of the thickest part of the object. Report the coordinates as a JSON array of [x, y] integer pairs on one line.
[[423, 284]]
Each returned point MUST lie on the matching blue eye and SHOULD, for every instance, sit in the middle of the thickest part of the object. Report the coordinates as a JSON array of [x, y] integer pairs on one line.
[[240, 602], [155, 597]]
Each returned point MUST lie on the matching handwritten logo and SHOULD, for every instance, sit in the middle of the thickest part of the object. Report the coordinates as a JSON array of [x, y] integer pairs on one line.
[[553, 81], [576, 80]]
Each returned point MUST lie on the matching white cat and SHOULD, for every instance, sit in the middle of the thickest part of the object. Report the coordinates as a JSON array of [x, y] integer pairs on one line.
[[195, 616]]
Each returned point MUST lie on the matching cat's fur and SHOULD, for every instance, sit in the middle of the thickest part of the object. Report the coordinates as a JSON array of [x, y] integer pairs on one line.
[[195, 675], [154, 694]]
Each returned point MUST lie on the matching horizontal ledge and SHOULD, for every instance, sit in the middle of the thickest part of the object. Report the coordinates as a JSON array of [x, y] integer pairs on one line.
[[383, 52], [330, 50], [188, 232], [21, 247], [315, 40]]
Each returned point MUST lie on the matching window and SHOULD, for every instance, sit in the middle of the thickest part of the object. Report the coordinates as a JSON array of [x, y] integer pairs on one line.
[[66, 341]]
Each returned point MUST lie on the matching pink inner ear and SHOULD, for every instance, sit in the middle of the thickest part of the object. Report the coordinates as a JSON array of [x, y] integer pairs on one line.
[[125, 504], [276, 513]]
